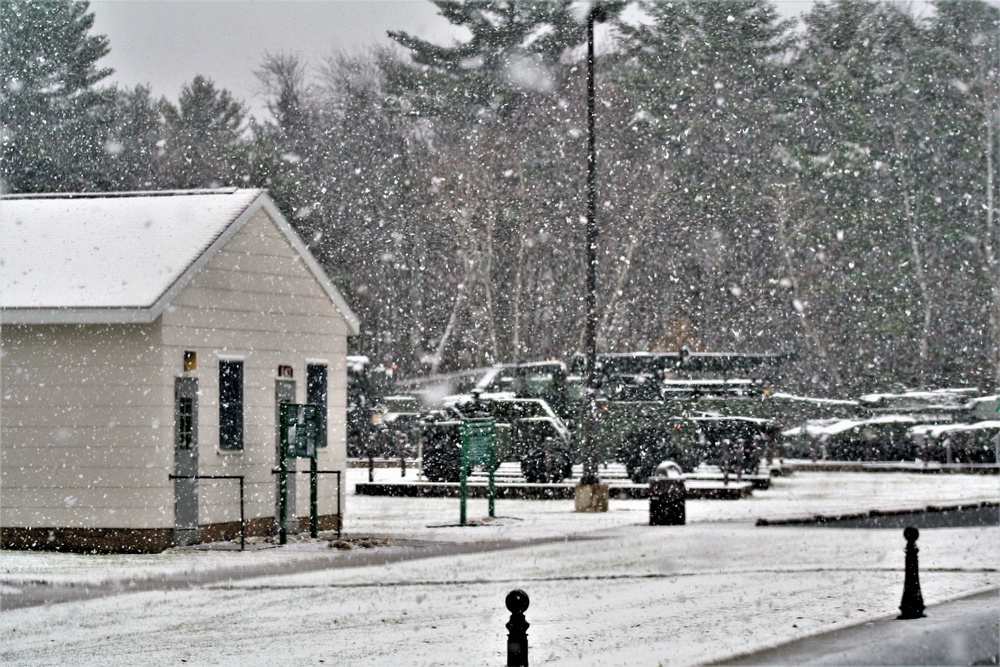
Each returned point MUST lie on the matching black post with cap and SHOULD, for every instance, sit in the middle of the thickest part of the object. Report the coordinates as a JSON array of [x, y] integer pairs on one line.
[[517, 629], [912, 605]]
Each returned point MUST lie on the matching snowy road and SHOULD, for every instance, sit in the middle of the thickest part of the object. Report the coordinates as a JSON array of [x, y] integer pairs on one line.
[[633, 595]]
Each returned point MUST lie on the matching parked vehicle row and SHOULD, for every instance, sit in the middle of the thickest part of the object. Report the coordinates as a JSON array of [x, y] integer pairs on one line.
[[692, 408], [947, 426]]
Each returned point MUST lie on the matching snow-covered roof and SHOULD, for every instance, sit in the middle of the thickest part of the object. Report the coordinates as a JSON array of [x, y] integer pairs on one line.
[[820, 427], [951, 394], [357, 363], [994, 399], [122, 257], [812, 399], [463, 399], [816, 427], [937, 430]]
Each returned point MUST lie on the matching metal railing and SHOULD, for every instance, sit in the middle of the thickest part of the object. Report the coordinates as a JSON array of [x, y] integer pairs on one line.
[[314, 497], [313, 504]]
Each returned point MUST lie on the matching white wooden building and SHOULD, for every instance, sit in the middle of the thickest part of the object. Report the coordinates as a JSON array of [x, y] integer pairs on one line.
[[145, 335]]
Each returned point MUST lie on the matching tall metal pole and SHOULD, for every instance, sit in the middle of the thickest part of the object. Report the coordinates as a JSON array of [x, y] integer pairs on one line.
[[589, 455]]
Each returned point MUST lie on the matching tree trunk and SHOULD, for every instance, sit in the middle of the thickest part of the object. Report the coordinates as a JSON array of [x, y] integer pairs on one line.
[[624, 270], [991, 245], [917, 257], [452, 319], [515, 347], [781, 214], [487, 277]]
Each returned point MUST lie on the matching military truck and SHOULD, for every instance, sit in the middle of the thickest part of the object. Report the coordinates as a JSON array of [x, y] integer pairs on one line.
[[395, 429], [691, 408], [680, 428], [891, 427], [547, 380], [977, 442], [938, 406], [527, 431], [734, 444], [380, 423]]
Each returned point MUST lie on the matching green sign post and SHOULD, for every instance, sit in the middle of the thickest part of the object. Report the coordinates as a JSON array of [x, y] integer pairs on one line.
[[478, 449], [298, 438]]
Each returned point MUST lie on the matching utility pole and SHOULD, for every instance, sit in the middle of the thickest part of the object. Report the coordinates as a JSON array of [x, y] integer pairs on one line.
[[589, 496], [596, 14]]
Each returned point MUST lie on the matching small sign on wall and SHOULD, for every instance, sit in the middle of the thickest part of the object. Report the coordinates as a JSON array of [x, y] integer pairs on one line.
[[285, 371]]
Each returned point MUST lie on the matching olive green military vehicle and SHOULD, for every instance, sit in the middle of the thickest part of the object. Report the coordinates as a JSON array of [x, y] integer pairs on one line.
[[527, 431], [691, 408], [891, 426], [547, 380], [367, 386]]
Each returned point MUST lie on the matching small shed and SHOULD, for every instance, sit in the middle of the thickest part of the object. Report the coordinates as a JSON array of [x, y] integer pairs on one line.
[[146, 342]]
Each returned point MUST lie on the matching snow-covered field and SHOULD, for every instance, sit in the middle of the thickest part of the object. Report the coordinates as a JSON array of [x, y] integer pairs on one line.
[[615, 592]]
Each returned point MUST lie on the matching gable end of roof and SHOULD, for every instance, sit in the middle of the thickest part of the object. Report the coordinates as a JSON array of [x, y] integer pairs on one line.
[[145, 314]]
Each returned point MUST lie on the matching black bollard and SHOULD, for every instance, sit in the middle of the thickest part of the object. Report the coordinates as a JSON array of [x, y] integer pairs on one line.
[[517, 629], [912, 605]]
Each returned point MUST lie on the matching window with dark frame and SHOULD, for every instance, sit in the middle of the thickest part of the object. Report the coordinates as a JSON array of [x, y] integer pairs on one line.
[[316, 394], [185, 422], [231, 405]]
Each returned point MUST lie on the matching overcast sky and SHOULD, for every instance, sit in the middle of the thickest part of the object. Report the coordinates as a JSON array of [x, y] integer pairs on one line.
[[165, 43]]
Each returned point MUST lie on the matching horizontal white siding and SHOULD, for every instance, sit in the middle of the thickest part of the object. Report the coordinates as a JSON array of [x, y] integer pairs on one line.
[[38, 415], [86, 419], [256, 300], [84, 430]]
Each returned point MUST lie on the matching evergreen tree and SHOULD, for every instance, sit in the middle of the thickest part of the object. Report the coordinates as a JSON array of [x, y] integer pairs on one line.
[[963, 94], [286, 149], [366, 209], [133, 143], [513, 49], [501, 175], [203, 135], [697, 88], [878, 251], [52, 116]]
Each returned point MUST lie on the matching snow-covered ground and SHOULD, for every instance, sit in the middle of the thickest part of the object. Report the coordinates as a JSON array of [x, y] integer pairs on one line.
[[615, 592]]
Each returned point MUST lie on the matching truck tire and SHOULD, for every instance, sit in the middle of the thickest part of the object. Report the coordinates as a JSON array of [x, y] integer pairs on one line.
[[642, 452], [546, 463], [442, 454], [646, 449]]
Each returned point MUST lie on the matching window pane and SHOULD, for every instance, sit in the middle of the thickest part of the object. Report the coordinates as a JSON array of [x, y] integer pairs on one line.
[[316, 393], [185, 422], [231, 405]]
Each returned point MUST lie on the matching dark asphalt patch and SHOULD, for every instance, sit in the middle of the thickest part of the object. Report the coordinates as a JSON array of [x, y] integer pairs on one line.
[[980, 515], [962, 518]]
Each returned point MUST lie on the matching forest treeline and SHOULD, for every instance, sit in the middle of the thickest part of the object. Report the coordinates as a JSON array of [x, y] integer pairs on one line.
[[826, 187]]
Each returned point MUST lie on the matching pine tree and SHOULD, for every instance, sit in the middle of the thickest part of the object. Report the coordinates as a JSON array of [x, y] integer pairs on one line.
[[53, 117], [203, 135], [868, 149], [133, 144], [513, 50], [502, 111], [286, 153], [697, 90], [964, 96]]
